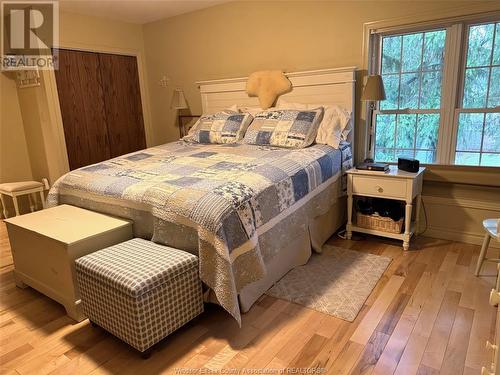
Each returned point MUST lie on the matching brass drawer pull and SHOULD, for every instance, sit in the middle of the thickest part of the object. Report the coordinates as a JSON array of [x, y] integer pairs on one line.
[[380, 189]]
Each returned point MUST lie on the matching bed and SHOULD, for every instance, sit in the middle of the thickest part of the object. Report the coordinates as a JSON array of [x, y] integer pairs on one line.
[[251, 213]]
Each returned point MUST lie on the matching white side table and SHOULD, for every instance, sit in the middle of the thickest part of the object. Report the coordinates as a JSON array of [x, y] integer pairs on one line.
[[395, 184]]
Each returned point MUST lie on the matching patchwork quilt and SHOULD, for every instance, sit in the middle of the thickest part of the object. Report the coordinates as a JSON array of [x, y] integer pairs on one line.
[[227, 193]]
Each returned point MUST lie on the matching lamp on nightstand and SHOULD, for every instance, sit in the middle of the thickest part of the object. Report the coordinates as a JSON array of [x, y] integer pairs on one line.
[[178, 102], [373, 92]]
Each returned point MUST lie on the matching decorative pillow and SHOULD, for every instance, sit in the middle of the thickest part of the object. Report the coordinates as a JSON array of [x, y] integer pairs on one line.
[[232, 109], [284, 128], [334, 127], [221, 127]]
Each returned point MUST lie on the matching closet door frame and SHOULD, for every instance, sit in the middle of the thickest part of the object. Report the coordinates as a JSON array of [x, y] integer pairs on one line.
[[51, 92]]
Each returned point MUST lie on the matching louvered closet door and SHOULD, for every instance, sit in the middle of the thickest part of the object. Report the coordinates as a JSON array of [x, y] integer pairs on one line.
[[83, 113], [120, 82], [101, 108]]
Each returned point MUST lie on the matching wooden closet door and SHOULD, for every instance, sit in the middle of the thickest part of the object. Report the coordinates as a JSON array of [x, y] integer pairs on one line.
[[120, 82], [81, 98]]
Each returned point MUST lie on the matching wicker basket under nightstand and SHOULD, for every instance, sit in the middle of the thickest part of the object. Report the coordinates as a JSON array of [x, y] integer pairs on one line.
[[384, 224]]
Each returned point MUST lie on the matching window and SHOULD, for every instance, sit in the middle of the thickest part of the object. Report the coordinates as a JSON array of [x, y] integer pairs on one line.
[[412, 69], [440, 107], [478, 138]]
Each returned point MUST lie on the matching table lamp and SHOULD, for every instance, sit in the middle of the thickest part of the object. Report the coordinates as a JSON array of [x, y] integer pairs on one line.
[[178, 102]]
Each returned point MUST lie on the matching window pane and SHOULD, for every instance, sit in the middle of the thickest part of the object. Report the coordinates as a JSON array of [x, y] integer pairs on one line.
[[426, 156], [480, 131], [434, 49], [405, 134], [405, 154], [384, 155], [467, 158], [391, 85], [476, 83], [494, 95], [490, 160], [385, 131], [480, 45], [496, 51], [427, 131], [491, 138], [391, 54], [412, 52], [408, 97], [411, 69], [470, 128], [430, 93]]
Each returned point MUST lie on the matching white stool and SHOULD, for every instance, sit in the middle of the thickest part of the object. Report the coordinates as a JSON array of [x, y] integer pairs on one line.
[[491, 227], [16, 189]]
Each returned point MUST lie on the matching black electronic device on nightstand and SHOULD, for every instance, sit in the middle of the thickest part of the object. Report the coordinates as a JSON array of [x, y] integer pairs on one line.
[[408, 165]]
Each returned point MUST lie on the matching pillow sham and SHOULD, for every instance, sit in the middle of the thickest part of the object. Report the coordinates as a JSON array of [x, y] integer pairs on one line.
[[220, 127], [284, 128], [334, 127], [232, 109]]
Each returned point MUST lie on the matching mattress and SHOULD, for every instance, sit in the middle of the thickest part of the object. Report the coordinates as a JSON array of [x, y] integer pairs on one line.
[[216, 201]]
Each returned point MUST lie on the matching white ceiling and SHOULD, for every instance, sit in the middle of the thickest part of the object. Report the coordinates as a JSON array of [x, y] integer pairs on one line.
[[135, 11]]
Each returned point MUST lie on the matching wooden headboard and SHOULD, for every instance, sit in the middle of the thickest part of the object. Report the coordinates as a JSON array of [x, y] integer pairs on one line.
[[325, 86]]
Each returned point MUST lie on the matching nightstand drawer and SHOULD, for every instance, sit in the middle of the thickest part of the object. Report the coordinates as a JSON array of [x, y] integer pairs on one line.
[[379, 186]]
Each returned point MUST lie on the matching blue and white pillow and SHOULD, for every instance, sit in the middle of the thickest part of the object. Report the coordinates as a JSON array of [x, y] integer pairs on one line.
[[221, 127], [284, 128]]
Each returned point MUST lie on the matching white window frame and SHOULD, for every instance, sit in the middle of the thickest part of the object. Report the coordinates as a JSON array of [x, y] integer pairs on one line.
[[463, 62], [452, 85]]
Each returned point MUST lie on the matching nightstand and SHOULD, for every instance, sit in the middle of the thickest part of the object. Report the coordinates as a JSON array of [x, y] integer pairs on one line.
[[395, 184]]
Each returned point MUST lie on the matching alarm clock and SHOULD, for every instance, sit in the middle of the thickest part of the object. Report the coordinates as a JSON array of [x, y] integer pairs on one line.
[[408, 165]]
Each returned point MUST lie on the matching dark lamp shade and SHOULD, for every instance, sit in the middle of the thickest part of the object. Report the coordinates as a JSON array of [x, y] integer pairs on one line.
[[374, 89]]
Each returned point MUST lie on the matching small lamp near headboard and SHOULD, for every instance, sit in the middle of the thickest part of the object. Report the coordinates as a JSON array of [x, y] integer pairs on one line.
[[374, 91], [179, 102]]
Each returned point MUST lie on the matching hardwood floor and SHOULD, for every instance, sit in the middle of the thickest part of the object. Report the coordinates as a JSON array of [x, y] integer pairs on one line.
[[427, 315]]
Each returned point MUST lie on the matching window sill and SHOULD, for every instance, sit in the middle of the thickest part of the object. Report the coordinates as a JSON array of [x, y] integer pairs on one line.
[[460, 174]]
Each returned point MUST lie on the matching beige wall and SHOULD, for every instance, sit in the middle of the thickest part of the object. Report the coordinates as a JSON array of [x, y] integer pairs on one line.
[[455, 211], [76, 29], [14, 159], [235, 39]]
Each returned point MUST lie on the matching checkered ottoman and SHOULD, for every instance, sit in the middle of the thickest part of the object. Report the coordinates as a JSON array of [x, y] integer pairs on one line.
[[140, 291]]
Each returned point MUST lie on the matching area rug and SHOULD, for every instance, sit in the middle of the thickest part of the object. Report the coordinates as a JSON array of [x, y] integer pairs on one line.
[[336, 282]]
